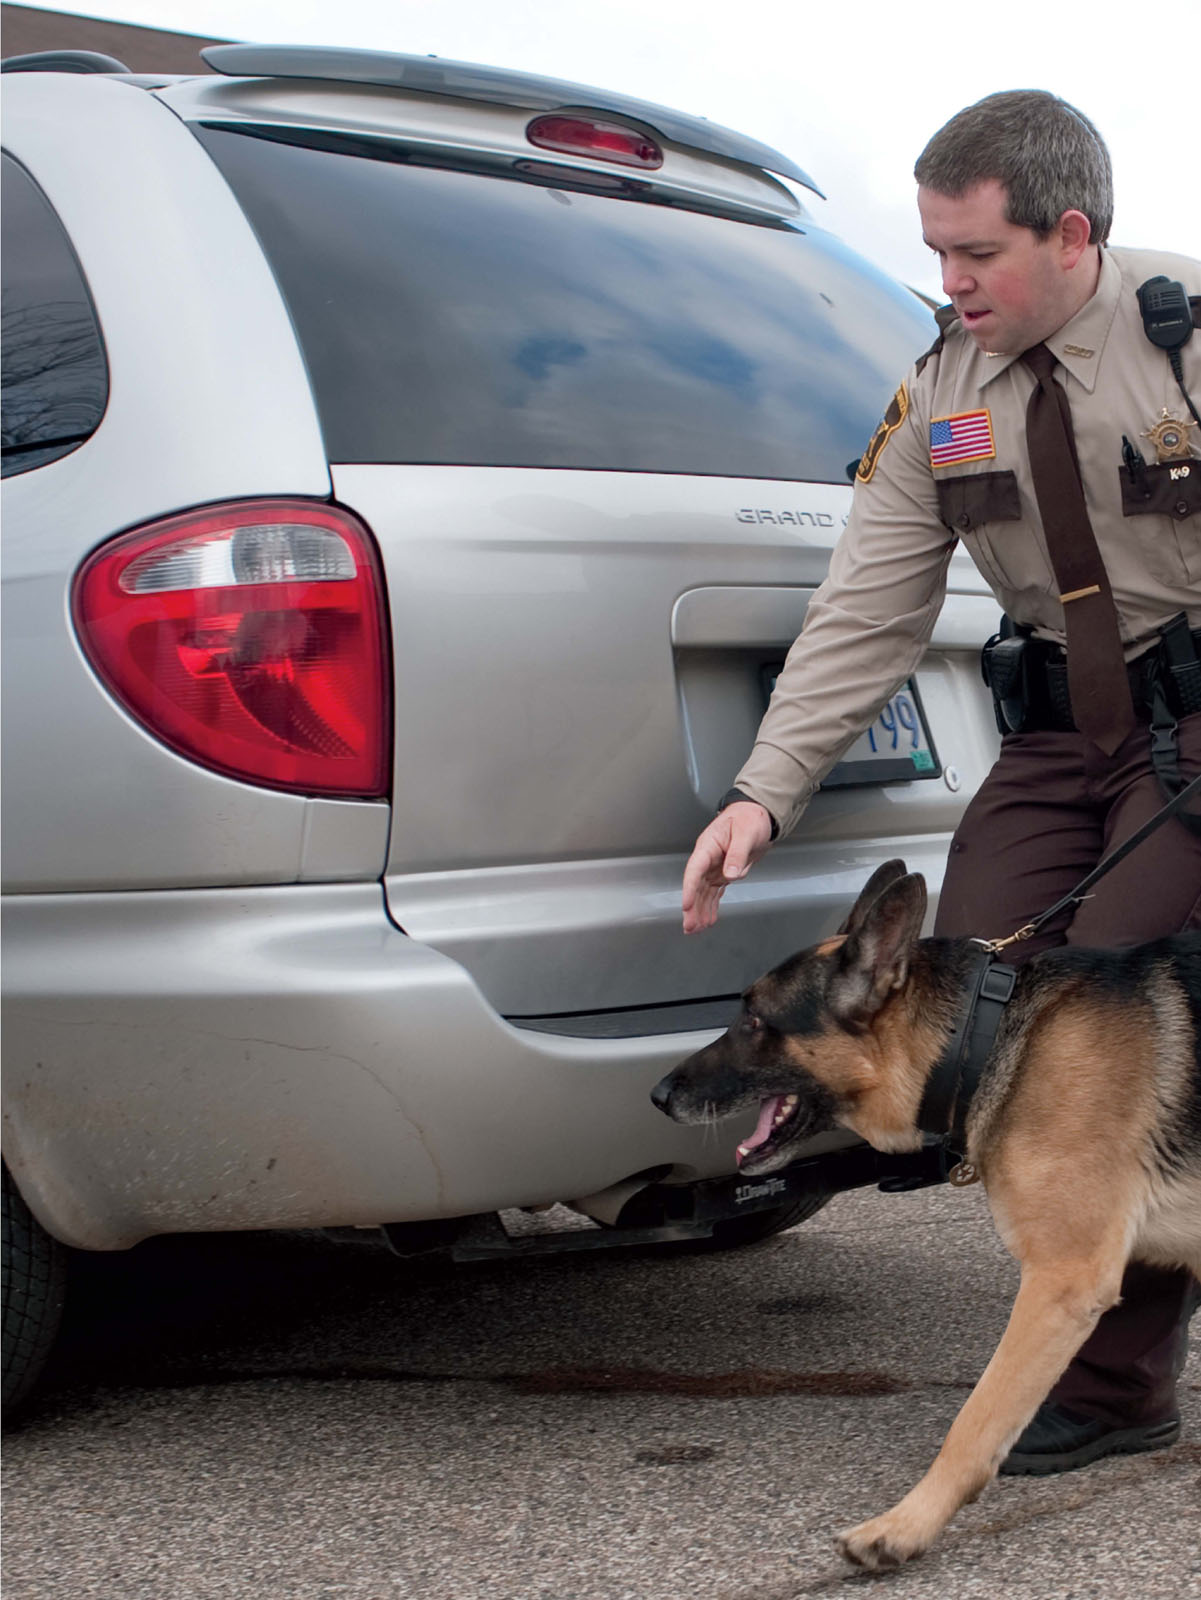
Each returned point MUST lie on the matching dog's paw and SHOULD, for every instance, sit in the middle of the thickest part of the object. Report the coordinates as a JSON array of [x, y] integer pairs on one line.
[[881, 1544]]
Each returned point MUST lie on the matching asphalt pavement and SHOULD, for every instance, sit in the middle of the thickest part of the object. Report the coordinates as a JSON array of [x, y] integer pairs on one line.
[[286, 1417]]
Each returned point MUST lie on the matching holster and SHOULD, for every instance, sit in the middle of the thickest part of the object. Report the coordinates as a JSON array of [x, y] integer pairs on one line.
[[1005, 665], [1178, 659]]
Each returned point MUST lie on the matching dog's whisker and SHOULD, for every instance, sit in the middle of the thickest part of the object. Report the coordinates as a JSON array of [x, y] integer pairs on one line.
[[711, 1120]]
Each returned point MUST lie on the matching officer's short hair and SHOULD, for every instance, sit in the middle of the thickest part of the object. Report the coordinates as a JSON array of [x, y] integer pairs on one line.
[[1047, 154]]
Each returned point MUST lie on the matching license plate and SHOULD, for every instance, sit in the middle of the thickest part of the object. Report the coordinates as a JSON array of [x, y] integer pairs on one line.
[[896, 748]]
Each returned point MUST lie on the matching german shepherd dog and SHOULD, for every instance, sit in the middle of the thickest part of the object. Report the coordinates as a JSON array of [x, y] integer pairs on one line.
[[1085, 1129]]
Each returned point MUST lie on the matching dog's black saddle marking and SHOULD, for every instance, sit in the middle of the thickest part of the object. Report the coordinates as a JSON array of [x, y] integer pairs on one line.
[[956, 1073]]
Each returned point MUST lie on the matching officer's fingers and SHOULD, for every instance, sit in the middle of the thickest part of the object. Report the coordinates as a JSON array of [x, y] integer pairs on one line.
[[702, 913], [703, 874], [725, 852], [703, 898]]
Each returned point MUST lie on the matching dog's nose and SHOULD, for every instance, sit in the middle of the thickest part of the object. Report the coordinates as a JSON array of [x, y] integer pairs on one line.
[[661, 1094]]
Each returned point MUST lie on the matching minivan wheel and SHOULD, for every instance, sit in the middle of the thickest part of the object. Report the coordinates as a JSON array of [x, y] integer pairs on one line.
[[34, 1270]]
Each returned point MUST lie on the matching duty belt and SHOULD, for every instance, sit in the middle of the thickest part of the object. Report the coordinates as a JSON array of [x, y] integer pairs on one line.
[[1029, 682], [1048, 704]]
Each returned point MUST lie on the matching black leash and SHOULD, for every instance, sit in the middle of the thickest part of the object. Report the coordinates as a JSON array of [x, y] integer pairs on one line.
[[953, 1081]]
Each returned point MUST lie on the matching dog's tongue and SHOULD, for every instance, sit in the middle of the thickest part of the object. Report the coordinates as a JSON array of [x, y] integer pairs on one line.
[[762, 1133]]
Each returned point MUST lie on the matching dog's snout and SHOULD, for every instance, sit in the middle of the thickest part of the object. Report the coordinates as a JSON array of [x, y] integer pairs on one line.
[[661, 1094]]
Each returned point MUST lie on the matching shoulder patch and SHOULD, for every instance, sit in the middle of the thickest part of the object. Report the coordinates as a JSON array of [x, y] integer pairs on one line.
[[898, 410]]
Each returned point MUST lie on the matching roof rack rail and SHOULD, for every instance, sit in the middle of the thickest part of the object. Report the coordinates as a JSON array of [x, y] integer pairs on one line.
[[63, 61], [497, 86]]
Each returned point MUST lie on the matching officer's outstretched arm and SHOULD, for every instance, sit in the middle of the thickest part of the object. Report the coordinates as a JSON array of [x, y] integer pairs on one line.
[[725, 852]]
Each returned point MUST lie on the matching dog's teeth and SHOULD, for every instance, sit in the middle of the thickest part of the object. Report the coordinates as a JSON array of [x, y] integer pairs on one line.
[[785, 1109]]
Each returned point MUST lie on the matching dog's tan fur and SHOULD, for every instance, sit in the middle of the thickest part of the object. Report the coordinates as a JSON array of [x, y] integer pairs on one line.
[[1086, 1131]]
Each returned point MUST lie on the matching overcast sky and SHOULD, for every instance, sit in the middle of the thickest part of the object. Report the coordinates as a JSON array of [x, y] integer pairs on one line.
[[850, 89]]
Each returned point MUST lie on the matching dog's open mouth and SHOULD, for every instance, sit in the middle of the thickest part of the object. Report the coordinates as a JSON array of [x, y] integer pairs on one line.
[[775, 1118]]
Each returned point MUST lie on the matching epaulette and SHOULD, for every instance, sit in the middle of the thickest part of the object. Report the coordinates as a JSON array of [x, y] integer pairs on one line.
[[945, 316]]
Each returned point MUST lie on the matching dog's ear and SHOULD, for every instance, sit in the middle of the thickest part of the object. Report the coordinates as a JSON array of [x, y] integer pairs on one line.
[[872, 889], [873, 960]]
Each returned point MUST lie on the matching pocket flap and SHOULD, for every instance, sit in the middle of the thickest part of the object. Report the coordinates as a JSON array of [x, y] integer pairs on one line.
[[1164, 488], [971, 500]]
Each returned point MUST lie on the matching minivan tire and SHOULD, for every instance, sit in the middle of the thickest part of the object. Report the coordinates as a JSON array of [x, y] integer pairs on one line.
[[34, 1271]]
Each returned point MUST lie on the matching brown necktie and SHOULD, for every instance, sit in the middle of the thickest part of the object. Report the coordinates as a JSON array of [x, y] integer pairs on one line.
[[1097, 681]]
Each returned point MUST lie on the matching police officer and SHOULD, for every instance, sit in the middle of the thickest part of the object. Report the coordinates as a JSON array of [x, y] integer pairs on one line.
[[1042, 384]]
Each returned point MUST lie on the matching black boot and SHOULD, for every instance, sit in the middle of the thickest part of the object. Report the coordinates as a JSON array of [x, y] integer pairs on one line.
[[1057, 1439]]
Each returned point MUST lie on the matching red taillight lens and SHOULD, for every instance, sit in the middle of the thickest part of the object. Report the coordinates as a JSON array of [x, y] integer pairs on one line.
[[603, 141], [250, 638]]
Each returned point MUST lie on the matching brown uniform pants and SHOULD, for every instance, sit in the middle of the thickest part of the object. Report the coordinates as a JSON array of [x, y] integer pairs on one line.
[[1051, 807]]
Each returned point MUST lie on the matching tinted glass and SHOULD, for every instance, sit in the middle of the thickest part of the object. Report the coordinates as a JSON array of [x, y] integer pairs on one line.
[[55, 379], [455, 316]]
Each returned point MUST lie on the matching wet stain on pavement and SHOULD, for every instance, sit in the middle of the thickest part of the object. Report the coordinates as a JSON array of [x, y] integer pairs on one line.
[[675, 1455], [790, 1305]]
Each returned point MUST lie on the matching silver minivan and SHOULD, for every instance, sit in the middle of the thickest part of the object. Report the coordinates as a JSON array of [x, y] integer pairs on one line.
[[415, 474]]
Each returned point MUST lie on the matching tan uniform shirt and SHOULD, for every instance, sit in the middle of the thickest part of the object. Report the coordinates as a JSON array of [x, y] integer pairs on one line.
[[953, 465]]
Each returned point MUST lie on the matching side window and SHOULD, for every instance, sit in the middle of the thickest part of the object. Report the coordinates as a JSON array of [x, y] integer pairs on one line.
[[55, 378]]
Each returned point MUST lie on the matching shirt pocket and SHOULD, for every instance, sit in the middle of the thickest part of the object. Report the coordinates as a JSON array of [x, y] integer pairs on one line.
[[973, 506], [1164, 504]]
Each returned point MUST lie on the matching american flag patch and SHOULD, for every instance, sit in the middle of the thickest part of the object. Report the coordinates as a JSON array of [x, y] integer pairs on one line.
[[965, 437]]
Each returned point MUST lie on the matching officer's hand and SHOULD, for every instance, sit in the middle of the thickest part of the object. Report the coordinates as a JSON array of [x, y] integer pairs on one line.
[[725, 852]]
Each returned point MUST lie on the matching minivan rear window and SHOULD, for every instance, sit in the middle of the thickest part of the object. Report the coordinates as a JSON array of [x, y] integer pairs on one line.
[[462, 317]]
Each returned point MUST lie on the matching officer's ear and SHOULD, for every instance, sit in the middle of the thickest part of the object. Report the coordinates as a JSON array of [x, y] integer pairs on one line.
[[1074, 234]]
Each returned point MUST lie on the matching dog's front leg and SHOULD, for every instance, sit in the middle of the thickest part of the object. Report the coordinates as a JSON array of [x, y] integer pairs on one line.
[[1056, 1309]]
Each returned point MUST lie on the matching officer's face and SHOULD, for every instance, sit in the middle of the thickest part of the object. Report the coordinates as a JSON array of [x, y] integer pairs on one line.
[[1010, 288]]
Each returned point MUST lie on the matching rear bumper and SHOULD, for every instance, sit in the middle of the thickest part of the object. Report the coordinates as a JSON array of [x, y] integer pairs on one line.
[[285, 1057]]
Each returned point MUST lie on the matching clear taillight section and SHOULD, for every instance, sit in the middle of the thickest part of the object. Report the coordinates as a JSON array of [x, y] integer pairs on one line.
[[249, 638]]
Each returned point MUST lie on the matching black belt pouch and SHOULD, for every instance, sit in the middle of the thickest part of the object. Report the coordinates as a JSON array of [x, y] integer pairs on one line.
[[1006, 664]]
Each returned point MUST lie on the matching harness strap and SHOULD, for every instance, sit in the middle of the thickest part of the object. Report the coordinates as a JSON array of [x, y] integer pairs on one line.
[[956, 1074]]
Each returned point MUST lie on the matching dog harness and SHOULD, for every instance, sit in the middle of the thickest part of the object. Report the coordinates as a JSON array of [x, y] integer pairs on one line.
[[956, 1074]]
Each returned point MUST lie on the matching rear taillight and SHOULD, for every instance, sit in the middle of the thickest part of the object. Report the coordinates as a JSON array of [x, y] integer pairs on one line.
[[250, 638], [582, 135]]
